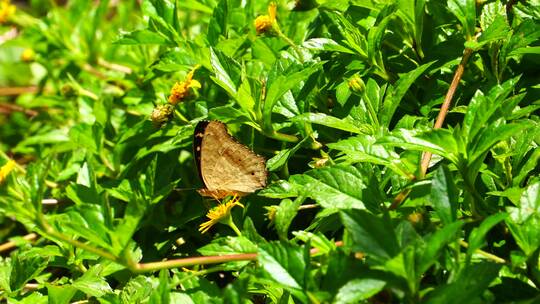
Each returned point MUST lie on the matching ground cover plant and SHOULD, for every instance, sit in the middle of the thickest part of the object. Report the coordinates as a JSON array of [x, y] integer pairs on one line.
[[400, 137]]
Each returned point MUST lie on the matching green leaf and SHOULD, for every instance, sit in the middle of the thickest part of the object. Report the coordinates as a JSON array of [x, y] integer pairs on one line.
[[284, 264], [141, 37], [325, 44], [524, 219], [469, 285], [228, 245], [91, 282], [25, 267], [138, 289], [370, 234], [401, 87], [283, 82], [282, 157], [358, 290], [364, 148], [218, 23], [226, 71], [161, 294], [428, 254], [478, 234], [498, 30], [465, 12], [444, 195], [334, 187], [333, 122], [438, 141], [285, 213], [60, 294], [87, 221]]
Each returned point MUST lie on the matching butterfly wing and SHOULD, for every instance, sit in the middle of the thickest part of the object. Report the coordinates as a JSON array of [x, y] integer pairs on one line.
[[225, 165]]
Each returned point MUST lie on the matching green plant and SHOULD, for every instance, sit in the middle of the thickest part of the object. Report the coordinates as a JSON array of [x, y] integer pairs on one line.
[[401, 139]]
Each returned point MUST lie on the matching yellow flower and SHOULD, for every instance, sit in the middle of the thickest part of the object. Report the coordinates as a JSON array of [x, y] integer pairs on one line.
[[271, 214], [267, 23], [6, 169], [28, 55], [357, 84], [6, 10], [182, 90], [221, 214]]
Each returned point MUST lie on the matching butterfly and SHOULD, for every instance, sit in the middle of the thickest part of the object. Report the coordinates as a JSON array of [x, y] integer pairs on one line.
[[226, 166]]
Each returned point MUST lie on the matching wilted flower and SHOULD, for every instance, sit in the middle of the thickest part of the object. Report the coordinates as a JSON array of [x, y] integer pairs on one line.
[[181, 90], [161, 114], [6, 10], [267, 23], [221, 214], [6, 169]]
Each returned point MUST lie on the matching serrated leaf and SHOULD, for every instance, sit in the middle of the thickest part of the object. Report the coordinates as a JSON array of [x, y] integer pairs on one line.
[[333, 122], [91, 283], [284, 264], [226, 71], [370, 234]]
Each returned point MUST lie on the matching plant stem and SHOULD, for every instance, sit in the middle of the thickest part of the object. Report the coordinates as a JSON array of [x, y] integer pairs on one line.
[[11, 244], [487, 255], [231, 224], [58, 235], [292, 44], [426, 157], [283, 137], [153, 266]]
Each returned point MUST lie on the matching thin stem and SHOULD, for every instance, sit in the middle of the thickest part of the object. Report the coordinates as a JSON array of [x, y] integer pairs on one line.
[[283, 137], [231, 224], [11, 244], [153, 266], [487, 255], [292, 44], [426, 157], [14, 91], [308, 206], [55, 234]]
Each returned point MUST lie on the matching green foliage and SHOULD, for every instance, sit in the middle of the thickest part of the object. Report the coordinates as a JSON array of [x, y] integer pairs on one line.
[[339, 96]]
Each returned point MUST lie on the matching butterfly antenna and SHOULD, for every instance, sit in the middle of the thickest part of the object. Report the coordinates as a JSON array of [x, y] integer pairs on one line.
[[184, 189]]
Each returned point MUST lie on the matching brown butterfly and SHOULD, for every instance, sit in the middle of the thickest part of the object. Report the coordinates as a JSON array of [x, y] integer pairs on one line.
[[226, 167]]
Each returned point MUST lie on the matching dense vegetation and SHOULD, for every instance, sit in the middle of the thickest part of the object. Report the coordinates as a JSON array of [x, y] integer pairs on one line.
[[400, 136]]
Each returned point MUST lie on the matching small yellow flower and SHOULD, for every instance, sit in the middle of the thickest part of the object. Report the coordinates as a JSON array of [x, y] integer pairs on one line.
[[221, 214], [28, 55], [271, 214], [182, 90], [267, 23], [357, 84], [6, 169], [161, 114], [6, 10]]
